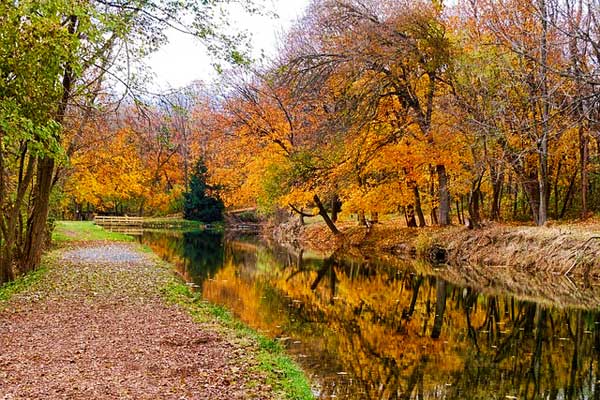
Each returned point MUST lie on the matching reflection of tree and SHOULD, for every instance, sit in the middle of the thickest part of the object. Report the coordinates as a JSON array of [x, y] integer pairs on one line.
[[197, 255], [440, 307], [204, 253], [328, 269], [470, 297], [417, 280]]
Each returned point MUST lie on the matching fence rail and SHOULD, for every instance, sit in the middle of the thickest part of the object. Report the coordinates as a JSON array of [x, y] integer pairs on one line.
[[103, 220]]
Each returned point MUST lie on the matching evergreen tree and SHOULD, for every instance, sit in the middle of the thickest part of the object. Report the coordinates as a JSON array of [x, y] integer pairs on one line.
[[199, 205]]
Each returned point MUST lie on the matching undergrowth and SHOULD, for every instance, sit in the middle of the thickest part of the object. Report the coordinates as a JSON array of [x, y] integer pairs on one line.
[[22, 283]]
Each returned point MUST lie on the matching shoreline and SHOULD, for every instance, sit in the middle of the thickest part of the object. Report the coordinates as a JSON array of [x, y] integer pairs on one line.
[[561, 250], [558, 265]]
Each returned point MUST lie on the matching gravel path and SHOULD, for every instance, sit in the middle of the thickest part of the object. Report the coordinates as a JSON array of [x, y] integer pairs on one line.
[[96, 327]]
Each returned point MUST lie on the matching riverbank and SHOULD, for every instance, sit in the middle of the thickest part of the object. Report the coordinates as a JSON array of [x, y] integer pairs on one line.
[[567, 249], [107, 319], [555, 265]]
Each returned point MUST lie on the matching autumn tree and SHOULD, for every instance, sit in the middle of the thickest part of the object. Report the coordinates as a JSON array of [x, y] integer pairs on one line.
[[392, 107], [530, 111], [390, 62]]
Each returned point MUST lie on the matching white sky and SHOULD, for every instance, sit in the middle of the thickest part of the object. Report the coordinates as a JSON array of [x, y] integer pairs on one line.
[[184, 60]]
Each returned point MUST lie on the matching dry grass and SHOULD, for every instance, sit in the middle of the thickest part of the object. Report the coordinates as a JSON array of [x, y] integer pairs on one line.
[[558, 264], [567, 249], [556, 250]]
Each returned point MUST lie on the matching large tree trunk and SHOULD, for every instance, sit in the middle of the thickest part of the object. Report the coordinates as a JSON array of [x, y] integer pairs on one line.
[[36, 225], [444, 195]]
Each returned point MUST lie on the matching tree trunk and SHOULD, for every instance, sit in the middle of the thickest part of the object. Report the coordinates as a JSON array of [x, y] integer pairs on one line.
[[325, 216], [568, 195], [497, 185], [36, 225], [418, 209], [531, 187], [458, 215], [544, 123], [444, 195], [584, 156], [474, 202], [474, 215], [434, 215], [543, 183], [336, 207], [556, 188], [141, 209]]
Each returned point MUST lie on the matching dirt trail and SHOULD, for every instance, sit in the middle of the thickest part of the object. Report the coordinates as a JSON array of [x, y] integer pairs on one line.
[[97, 327]]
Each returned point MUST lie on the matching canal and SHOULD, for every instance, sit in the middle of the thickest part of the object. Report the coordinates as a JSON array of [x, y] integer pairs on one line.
[[363, 329]]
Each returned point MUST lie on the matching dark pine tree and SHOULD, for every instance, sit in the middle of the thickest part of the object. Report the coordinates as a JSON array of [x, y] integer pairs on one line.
[[198, 205]]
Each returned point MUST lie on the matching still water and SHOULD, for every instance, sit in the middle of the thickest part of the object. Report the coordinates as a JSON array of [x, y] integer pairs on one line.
[[364, 330]]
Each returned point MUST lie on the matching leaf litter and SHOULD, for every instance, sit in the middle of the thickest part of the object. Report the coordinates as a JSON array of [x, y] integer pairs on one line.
[[96, 326]]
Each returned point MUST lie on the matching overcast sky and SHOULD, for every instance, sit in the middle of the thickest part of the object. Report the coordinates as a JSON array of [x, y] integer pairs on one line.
[[184, 60]]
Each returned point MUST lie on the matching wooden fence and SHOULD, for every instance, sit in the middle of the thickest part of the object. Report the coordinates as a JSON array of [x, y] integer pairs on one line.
[[104, 220]]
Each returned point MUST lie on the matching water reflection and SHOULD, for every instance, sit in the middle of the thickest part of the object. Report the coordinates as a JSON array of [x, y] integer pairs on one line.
[[198, 255], [369, 331]]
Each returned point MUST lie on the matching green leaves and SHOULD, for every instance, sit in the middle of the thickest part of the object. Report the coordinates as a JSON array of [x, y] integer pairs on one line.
[[42, 140]]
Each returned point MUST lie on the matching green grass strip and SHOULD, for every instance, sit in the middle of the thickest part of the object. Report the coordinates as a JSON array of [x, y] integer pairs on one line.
[[283, 374], [21, 283], [74, 231]]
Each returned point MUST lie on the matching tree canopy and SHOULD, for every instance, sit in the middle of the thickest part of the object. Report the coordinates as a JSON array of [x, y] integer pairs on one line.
[[439, 113]]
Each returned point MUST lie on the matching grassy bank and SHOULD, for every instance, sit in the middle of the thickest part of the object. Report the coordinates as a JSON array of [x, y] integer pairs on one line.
[[84, 231], [22, 283], [175, 223]]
